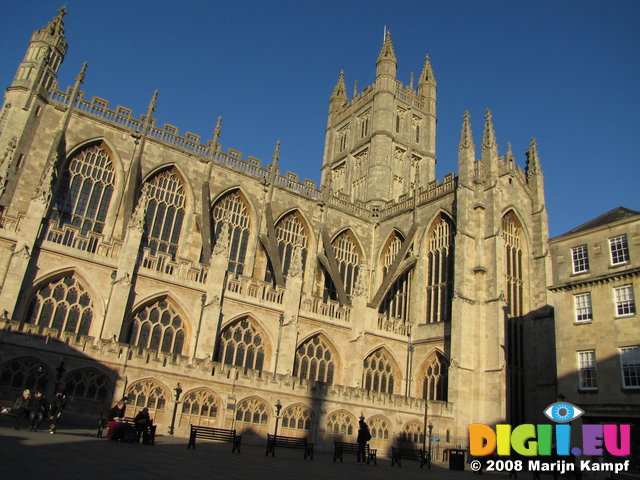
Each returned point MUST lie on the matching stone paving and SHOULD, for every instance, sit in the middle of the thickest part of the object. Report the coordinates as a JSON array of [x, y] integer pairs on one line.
[[78, 454]]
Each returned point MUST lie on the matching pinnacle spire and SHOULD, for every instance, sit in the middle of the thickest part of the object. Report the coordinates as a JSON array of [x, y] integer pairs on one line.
[[216, 131], [427, 72], [533, 160], [387, 48], [489, 136], [340, 90], [56, 26], [509, 156], [276, 153], [466, 137]]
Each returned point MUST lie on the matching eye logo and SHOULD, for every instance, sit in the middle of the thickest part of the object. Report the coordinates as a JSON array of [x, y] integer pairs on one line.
[[563, 412]]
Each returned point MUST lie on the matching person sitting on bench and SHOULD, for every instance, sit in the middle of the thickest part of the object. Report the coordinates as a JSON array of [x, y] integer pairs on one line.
[[115, 420]]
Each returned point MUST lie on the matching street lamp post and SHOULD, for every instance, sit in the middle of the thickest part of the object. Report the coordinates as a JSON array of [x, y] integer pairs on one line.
[[429, 453], [178, 391], [278, 406]]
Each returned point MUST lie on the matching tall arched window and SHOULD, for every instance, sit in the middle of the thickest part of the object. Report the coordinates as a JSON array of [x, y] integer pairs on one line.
[[87, 384], [394, 306], [241, 344], [148, 393], [296, 419], [348, 256], [512, 236], [200, 407], [252, 411], [157, 326], [315, 360], [439, 270], [21, 373], [85, 191], [435, 379], [233, 210], [341, 423], [378, 374], [165, 212], [290, 231], [63, 304]]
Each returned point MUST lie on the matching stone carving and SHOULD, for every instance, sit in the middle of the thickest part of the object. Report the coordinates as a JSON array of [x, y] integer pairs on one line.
[[45, 185], [222, 245], [6, 162], [136, 222], [360, 288], [295, 269]]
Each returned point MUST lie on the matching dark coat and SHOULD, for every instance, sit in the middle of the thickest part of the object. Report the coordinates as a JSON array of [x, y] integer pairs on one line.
[[116, 412], [39, 405], [56, 407], [21, 404], [363, 433]]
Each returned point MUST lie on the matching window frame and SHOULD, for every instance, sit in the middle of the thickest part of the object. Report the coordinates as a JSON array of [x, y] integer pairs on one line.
[[634, 348], [576, 308], [628, 302], [584, 370], [584, 259], [622, 250]]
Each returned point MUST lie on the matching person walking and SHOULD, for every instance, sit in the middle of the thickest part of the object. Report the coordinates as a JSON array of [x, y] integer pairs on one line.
[[56, 407], [364, 435], [21, 407]]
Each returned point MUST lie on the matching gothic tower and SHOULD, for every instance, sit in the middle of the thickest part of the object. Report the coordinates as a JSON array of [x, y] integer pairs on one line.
[[381, 145]]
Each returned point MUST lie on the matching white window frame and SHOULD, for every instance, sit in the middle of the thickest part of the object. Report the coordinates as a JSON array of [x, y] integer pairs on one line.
[[625, 304], [587, 370], [619, 250], [583, 308], [632, 356], [580, 259]]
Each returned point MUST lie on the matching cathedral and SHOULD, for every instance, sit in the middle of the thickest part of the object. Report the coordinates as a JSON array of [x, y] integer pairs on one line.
[[138, 261]]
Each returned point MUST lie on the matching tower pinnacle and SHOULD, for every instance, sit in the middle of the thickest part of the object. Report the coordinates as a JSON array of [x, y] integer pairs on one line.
[[533, 160], [340, 90], [466, 137], [387, 49], [489, 136]]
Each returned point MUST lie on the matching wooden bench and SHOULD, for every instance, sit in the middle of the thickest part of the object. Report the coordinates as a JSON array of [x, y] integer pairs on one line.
[[341, 448], [211, 433], [397, 454], [132, 434], [6, 408], [274, 441]]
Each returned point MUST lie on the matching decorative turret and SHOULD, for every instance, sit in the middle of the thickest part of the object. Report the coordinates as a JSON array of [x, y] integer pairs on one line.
[[45, 53], [339, 95], [489, 149], [535, 179], [427, 83], [387, 64], [466, 152]]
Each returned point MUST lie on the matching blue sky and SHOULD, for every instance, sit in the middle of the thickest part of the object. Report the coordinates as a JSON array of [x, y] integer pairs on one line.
[[565, 72]]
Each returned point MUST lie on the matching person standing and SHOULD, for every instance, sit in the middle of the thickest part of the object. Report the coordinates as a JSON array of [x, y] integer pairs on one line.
[[55, 410], [21, 407], [363, 437]]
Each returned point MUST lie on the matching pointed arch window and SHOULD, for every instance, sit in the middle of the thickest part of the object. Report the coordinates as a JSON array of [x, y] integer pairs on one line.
[[439, 271], [412, 433], [341, 423], [435, 379], [380, 428], [297, 419], [378, 374], [63, 304], [348, 256], [252, 411], [290, 232], [394, 306], [512, 236], [157, 326], [149, 394], [200, 407], [25, 372], [87, 384], [164, 214], [233, 209], [242, 345], [85, 192], [315, 360]]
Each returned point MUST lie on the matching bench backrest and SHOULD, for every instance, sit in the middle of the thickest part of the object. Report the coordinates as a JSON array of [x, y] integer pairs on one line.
[[282, 440], [212, 432]]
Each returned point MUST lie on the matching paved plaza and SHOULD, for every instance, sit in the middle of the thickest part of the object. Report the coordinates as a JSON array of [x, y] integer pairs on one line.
[[78, 454]]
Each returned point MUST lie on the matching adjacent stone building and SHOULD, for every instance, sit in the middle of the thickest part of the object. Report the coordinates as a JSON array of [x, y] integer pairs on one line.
[[134, 259], [595, 283]]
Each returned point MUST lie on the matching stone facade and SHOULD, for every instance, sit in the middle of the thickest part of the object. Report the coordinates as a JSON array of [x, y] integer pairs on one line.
[[142, 258], [596, 267]]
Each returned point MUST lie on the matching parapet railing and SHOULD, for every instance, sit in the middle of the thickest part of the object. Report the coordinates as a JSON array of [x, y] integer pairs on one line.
[[327, 309]]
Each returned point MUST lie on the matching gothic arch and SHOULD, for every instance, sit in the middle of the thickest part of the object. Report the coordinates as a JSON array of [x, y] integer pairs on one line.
[[381, 429], [412, 434], [22, 372], [166, 216], [349, 257], [393, 234], [311, 241], [90, 180], [243, 342], [201, 406], [381, 372], [433, 376], [316, 359], [118, 165], [233, 209], [341, 423], [394, 306], [439, 251], [297, 420], [88, 389], [149, 393], [63, 299], [158, 323], [184, 179], [288, 235], [355, 240], [523, 225], [252, 413]]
